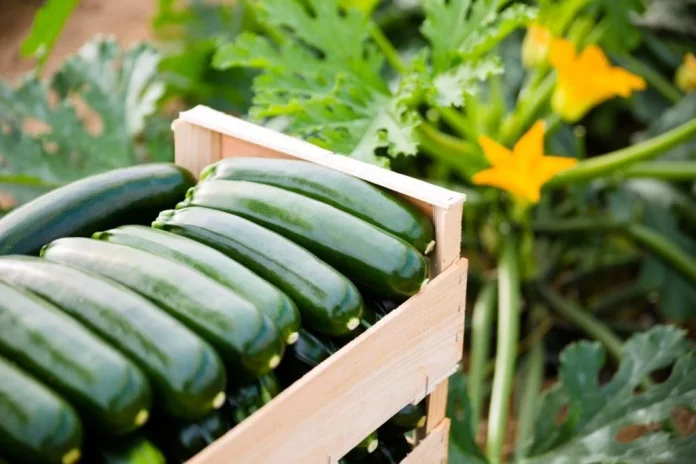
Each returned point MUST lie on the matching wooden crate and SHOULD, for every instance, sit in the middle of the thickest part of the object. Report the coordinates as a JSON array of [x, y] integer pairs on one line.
[[405, 357]]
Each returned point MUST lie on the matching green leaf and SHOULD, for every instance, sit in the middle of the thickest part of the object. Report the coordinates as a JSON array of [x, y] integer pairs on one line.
[[678, 114], [461, 35], [326, 77], [620, 34], [597, 413], [463, 448], [48, 23], [88, 118]]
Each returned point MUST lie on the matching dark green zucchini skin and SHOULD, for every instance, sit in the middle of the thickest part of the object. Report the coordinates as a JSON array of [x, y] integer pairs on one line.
[[135, 450], [364, 448], [241, 335], [359, 250], [36, 425], [180, 441], [130, 195], [105, 386], [309, 351], [328, 301], [347, 193], [187, 375], [244, 400], [267, 298], [408, 418]]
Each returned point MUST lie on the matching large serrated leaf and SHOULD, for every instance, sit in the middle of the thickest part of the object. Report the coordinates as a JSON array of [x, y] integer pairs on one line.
[[90, 117], [596, 413]]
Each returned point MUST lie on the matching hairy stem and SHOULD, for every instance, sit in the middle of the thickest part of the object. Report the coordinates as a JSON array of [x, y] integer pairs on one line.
[[674, 171], [609, 163], [509, 300], [482, 321]]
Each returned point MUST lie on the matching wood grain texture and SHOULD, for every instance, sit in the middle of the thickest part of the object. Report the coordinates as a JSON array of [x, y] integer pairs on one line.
[[433, 449], [273, 141], [195, 147], [331, 409]]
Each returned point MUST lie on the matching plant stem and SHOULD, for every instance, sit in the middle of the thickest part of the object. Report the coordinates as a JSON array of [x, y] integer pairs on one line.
[[619, 297], [527, 109], [458, 122], [454, 151], [665, 170], [576, 225], [509, 302], [592, 326], [609, 163], [481, 323], [533, 378], [652, 77], [665, 249], [386, 47]]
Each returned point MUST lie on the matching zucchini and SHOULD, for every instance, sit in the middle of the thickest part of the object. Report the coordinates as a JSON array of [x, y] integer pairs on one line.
[[267, 298], [180, 441], [408, 418], [245, 400], [135, 450], [366, 447], [129, 195], [345, 192], [361, 251], [65, 356], [309, 351], [242, 336], [36, 425], [328, 302], [186, 374]]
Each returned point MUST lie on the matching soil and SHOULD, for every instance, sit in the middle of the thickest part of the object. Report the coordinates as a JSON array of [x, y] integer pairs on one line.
[[128, 20]]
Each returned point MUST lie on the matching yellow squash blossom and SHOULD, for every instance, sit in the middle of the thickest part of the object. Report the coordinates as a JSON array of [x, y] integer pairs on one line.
[[587, 79], [535, 47], [686, 74], [525, 169]]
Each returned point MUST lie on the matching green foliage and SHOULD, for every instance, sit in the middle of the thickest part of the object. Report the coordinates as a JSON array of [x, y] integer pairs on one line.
[[190, 33], [323, 70], [463, 448], [596, 413], [48, 24], [672, 16], [90, 117]]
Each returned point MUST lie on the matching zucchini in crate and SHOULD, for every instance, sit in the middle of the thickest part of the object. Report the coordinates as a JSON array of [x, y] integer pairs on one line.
[[186, 373], [328, 301], [267, 298], [180, 441], [98, 380], [244, 400], [345, 192], [135, 450], [36, 425], [358, 249], [243, 337], [128, 195]]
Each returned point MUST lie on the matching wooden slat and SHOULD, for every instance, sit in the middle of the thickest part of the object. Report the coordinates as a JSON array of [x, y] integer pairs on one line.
[[432, 450], [331, 409], [273, 141], [195, 147]]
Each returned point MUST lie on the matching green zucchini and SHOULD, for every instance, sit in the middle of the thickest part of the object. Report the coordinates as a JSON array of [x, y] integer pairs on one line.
[[366, 447], [243, 337], [408, 418], [136, 450], [361, 251], [129, 195], [98, 380], [36, 425], [267, 298], [328, 302], [246, 399], [345, 192], [180, 441], [186, 373]]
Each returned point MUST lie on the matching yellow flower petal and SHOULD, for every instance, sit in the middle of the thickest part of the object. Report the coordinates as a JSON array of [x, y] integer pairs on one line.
[[552, 165], [586, 80], [530, 148], [496, 154], [510, 181], [686, 74]]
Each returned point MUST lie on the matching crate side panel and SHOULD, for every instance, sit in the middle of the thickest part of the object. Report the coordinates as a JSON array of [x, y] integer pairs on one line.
[[433, 449], [327, 412], [195, 147]]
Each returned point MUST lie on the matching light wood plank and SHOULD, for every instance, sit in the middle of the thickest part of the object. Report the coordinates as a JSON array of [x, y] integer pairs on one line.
[[433, 449], [195, 147], [331, 409], [277, 142]]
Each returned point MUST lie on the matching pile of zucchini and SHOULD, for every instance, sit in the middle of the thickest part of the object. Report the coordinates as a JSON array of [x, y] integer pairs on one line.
[[124, 340]]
